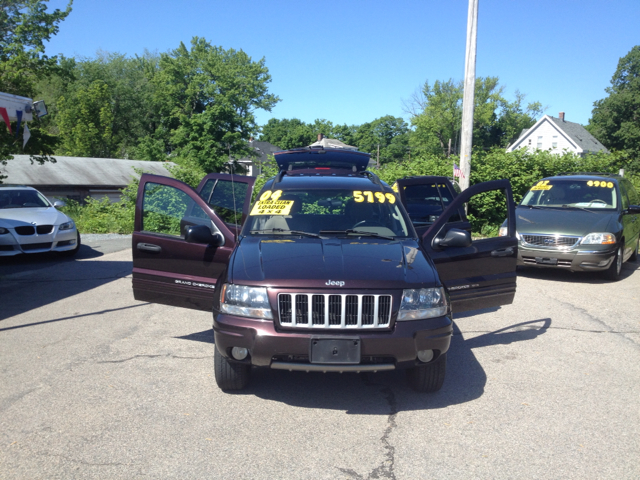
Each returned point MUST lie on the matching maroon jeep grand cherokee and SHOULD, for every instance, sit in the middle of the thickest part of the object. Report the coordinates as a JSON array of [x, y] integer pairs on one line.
[[325, 272]]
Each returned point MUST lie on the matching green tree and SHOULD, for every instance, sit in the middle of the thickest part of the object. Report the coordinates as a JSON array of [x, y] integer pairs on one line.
[[24, 27], [294, 133], [86, 122], [205, 99], [287, 133], [436, 113], [101, 107], [389, 133], [615, 120]]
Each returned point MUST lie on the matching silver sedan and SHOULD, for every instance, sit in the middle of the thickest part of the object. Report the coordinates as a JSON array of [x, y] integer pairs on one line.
[[29, 223]]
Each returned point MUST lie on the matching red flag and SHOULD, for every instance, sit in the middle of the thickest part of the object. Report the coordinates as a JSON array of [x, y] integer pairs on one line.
[[5, 117]]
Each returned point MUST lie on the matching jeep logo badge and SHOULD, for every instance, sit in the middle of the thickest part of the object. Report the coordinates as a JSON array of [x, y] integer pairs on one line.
[[334, 283]]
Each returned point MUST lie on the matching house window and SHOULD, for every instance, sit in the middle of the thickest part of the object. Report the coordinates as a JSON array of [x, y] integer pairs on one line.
[[554, 144], [539, 142], [529, 142]]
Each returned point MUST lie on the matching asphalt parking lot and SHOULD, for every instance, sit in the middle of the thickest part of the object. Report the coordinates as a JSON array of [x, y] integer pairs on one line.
[[98, 385]]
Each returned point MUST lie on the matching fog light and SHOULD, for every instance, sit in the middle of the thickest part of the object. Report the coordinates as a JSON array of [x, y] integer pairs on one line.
[[239, 353], [425, 355]]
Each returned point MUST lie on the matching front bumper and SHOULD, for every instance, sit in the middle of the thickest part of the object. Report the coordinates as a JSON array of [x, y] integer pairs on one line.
[[57, 241], [587, 258], [277, 348]]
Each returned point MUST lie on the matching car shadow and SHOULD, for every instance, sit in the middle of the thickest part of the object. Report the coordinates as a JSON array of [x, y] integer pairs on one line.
[[27, 283], [560, 275], [353, 392]]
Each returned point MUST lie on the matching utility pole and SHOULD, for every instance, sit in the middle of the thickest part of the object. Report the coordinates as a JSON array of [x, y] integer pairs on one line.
[[469, 94], [378, 160]]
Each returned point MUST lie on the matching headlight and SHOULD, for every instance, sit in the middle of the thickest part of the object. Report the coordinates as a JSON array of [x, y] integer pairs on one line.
[[245, 301], [66, 226], [504, 230], [421, 303], [3, 231], [599, 239]]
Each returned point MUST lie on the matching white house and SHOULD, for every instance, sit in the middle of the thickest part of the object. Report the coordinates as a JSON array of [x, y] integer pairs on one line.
[[557, 135]]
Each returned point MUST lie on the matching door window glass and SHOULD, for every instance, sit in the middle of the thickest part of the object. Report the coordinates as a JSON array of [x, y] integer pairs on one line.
[[164, 209], [486, 212], [226, 198], [634, 198], [623, 195]]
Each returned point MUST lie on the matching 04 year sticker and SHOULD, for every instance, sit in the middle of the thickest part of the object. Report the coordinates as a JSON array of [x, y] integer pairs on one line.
[[270, 204]]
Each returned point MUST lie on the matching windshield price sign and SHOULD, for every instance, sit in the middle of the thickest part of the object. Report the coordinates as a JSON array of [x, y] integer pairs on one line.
[[542, 185], [269, 204], [373, 197], [598, 183]]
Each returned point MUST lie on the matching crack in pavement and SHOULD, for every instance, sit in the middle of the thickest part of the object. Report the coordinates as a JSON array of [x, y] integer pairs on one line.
[[83, 462], [168, 355], [385, 469], [589, 316]]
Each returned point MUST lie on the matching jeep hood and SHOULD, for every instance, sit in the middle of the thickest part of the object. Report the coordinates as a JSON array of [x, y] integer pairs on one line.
[[563, 221], [306, 263]]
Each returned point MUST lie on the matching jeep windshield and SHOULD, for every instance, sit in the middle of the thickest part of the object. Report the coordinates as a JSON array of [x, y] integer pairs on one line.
[[581, 194], [327, 213]]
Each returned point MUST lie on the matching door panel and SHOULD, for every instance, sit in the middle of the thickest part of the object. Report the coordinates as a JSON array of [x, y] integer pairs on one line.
[[482, 275], [166, 268]]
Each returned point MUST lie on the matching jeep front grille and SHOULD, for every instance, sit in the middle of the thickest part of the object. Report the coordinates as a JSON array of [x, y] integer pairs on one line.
[[308, 310], [551, 241]]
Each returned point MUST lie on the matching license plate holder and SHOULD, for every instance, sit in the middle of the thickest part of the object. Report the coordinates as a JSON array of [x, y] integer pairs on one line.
[[335, 350], [546, 261]]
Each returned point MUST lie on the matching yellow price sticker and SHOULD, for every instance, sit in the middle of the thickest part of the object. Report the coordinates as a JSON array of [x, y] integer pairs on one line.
[[600, 183], [373, 197], [542, 185], [272, 207]]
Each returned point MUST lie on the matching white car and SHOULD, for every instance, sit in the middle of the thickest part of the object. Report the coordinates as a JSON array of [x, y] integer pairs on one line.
[[29, 223]]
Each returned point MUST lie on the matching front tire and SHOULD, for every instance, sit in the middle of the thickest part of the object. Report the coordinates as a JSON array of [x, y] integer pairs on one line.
[[430, 377], [230, 375], [613, 272]]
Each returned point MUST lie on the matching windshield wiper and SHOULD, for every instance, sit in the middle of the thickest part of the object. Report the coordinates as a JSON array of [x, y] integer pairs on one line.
[[579, 208], [358, 233], [534, 206], [284, 230]]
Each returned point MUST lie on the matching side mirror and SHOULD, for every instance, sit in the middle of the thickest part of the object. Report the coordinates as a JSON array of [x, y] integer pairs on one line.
[[59, 204], [202, 234], [635, 209], [454, 238]]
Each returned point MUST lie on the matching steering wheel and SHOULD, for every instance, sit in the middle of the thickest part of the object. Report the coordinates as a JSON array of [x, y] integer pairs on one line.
[[597, 200], [363, 223]]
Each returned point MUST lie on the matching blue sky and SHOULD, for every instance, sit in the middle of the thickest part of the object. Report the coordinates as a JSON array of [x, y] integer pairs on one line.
[[352, 61]]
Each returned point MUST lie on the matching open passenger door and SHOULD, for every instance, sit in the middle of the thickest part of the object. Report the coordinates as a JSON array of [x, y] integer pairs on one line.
[[478, 271], [183, 238]]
